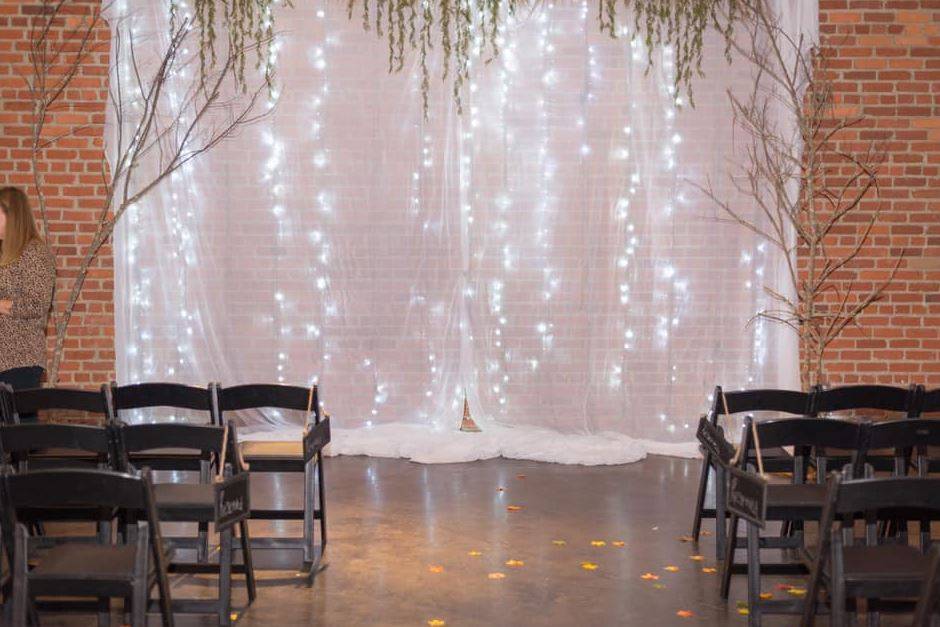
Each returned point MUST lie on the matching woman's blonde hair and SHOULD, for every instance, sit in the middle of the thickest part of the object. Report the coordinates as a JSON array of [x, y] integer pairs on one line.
[[20, 228]]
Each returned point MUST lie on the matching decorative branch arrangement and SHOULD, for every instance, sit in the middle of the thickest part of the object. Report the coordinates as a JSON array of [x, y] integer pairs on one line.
[[164, 112], [467, 28], [814, 200]]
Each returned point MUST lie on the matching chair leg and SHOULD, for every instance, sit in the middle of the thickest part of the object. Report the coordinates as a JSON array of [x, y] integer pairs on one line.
[[248, 561], [141, 585], [837, 586], [753, 576], [700, 499], [104, 612], [721, 512], [225, 578], [20, 583], [308, 512], [202, 546], [321, 499], [728, 564]]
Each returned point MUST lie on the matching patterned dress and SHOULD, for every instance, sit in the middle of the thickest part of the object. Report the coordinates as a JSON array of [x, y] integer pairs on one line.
[[28, 282]]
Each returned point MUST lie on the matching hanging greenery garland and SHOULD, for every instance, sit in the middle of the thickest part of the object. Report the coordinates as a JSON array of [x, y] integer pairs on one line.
[[462, 28], [467, 27], [249, 25]]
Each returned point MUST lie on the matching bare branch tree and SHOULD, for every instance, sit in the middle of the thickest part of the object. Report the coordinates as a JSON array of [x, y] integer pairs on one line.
[[165, 115], [804, 195]]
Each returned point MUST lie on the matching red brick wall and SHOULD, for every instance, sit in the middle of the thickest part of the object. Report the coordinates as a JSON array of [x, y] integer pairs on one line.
[[885, 55], [73, 176]]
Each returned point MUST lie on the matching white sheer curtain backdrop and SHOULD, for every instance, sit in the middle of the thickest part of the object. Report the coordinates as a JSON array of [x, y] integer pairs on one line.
[[544, 254]]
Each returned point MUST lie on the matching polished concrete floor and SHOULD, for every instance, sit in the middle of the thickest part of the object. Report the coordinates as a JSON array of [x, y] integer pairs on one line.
[[413, 544]]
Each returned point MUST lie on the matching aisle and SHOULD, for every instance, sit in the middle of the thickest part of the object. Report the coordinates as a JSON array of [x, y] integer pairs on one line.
[[411, 544]]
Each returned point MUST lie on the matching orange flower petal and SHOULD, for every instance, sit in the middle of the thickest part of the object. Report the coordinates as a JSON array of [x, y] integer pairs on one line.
[[588, 565], [515, 563], [649, 577], [672, 569], [514, 508], [766, 595], [496, 576], [435, 568], [709, 571], [697, 558], [619, 543], [684, 614]]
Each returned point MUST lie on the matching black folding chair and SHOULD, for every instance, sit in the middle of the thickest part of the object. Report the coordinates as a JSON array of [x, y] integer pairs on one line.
[[127, 399], [62, 400], [76, 446], [926, 611], [304, 456], [869, 568], [796, 502], [865, 399], [100, 571], [223, 501], [905, 437], [777, 459], [930, 407]]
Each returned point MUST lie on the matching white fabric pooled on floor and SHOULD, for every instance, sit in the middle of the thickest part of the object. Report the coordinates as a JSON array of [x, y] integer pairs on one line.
[[426, 445]]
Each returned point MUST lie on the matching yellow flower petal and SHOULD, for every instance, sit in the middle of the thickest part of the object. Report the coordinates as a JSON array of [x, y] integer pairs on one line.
[[659, 586], [559, 542], [515, 563], [588, 565], [436, 622], [766, 595], [496, 576], [598, 543], [709, 571], [672, 569], [697, 558], [474, 553], [743, 611], [649, 577], [797, 592]]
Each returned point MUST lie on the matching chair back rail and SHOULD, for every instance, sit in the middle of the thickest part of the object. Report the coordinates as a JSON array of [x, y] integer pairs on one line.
[[930, 401], [269, 396], [877, 397], [153, 436], [75, 488], [150, 395], [27, 437], [884, 495], [741, 401]]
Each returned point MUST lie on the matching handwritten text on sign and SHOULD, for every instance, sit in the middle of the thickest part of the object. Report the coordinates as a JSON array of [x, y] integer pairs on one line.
[[747, 496]]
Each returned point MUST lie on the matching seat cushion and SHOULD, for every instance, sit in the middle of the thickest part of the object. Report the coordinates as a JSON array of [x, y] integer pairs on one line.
[[801, 501], [194, 502], [269, 449], [86, 561]]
